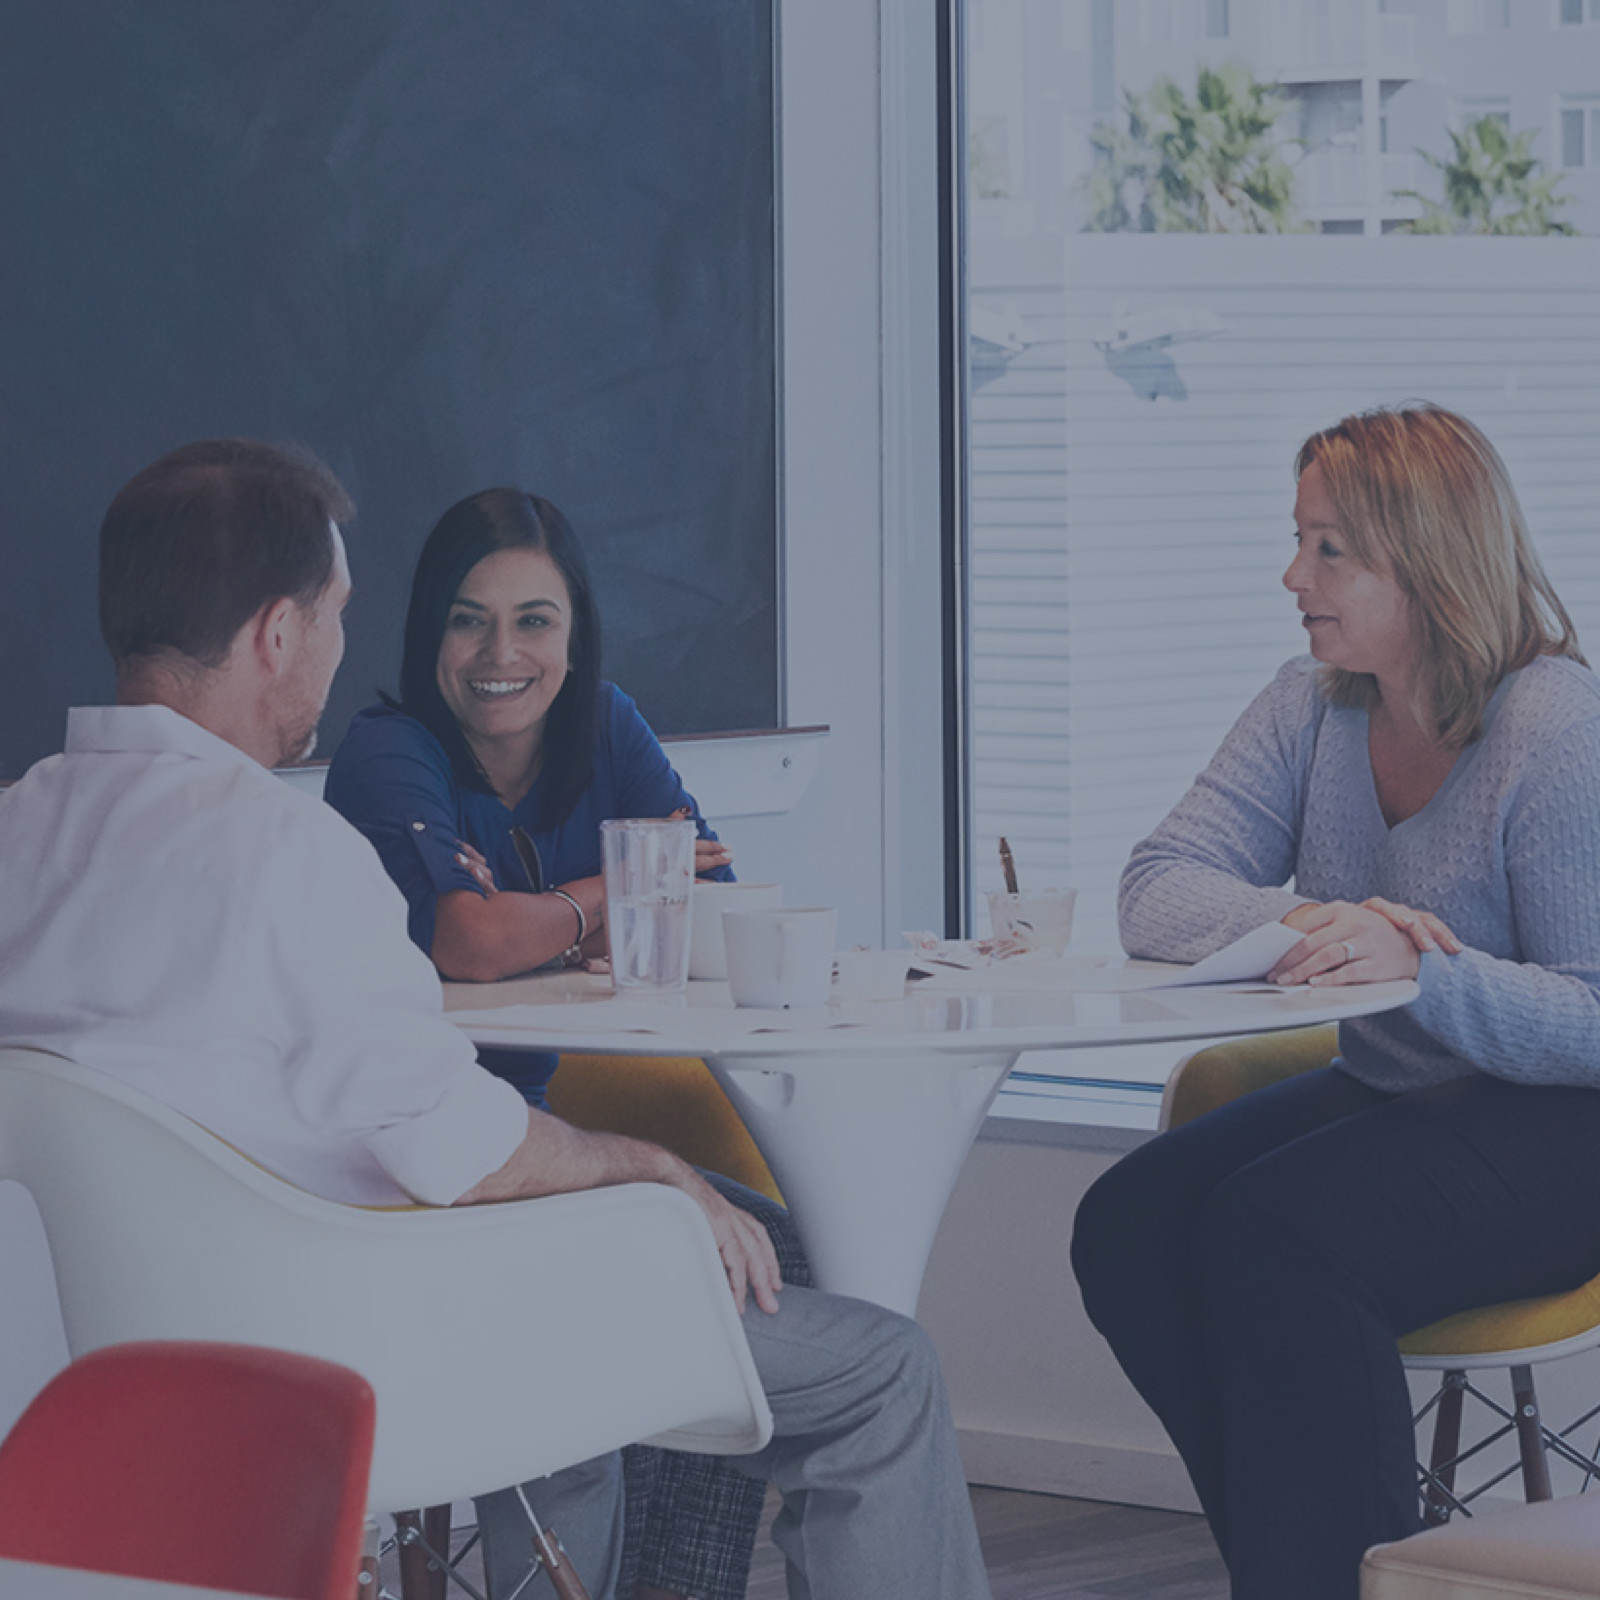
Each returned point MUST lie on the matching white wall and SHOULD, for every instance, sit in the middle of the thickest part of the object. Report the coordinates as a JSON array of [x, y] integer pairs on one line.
[[1037, 1396], [859, 410]]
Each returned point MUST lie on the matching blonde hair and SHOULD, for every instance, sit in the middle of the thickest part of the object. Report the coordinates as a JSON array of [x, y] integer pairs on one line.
[[1421, 493]]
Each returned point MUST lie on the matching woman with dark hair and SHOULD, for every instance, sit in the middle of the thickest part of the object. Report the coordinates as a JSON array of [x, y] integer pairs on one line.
[[1429, 781], [484, 786], [483, 789]]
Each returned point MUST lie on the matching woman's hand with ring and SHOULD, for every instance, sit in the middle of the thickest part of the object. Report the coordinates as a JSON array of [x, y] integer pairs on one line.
[[1345, 943], [1422, 928]]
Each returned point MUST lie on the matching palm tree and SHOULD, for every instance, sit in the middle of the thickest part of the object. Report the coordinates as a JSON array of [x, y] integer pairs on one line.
[[1206, 164], [1492, 184]]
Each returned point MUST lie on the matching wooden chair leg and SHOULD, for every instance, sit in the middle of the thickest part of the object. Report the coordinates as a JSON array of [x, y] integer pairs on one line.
[[436, 1530], [566, 1583], [1446, 1446], [1530, 1435], [367, 1572], [421, 1576]]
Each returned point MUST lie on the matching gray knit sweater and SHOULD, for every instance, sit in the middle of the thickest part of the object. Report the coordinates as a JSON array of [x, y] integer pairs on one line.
[[1507, 853]]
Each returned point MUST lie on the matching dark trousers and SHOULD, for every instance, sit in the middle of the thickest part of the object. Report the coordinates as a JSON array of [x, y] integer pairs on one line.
[[1253, 1269]]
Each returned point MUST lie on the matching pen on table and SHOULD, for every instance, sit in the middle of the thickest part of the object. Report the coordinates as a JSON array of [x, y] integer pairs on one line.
[[1008, 866]]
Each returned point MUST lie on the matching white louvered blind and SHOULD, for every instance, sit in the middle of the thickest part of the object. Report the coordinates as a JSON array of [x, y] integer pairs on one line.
[[1131, 507]]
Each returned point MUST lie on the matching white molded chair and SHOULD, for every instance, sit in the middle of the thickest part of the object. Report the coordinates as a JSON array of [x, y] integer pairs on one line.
[[1546, 1551], [552, 1330]]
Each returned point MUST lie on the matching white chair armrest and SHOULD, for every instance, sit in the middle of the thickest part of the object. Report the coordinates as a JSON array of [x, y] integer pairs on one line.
[[536, 1334]]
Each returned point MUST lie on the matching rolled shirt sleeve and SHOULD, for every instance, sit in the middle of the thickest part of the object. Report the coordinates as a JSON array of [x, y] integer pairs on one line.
[[392, 781]]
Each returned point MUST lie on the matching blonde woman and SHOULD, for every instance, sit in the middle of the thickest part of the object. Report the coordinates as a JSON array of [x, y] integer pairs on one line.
[[1429, 784]]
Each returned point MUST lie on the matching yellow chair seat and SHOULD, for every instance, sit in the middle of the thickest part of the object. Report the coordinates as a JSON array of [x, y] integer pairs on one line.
[[1212, 1077], [670, 1100], [1515, 1333], [1512, 1325]]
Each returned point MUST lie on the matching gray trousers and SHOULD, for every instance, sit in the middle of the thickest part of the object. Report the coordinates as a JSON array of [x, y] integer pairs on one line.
[[863, 1453]]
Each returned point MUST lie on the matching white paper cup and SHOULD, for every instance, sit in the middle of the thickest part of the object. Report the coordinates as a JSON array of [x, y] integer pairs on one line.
[[1035, 919], [872, 974], [708, 957], [780, 957]]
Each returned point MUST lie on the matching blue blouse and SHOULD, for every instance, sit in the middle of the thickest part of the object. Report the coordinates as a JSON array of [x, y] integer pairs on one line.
[[392, 779]]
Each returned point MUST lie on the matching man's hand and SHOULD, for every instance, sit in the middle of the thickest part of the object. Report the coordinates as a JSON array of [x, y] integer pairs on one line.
[[556, 1158], [747, 1254]]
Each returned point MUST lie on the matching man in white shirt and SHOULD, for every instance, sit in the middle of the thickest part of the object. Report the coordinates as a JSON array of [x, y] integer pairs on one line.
[[176, 915]]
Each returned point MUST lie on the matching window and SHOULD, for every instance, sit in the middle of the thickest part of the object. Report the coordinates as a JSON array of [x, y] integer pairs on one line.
[[1575, 13], [1473, 108], [1137, 392], [1162, 22], [1579, 124], [1478, 16]]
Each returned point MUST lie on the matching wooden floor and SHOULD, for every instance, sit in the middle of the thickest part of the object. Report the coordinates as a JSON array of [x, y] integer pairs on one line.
[[1036, 1546], [1042, 1547]]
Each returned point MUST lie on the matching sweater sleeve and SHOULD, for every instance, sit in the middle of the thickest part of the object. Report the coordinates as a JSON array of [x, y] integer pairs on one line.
[[1215, 866], [1537, 1019]]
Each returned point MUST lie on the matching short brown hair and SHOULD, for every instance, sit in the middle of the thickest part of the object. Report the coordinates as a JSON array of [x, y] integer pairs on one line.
[[197, 543], [1422, 493]]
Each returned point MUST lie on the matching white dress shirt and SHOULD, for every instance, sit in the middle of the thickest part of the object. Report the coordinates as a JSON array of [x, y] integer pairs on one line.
[[172, 913]]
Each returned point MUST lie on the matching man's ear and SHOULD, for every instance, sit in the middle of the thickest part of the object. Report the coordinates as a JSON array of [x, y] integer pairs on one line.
[[273, 633]]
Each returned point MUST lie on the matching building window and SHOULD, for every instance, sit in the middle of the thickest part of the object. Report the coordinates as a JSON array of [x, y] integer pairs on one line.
[[1579, 122], [1162, 22], [1478, 16], [1577, 13], [1474, 108]]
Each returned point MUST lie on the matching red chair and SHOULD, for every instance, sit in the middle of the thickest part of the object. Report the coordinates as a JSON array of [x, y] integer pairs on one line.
[[221, 1465]]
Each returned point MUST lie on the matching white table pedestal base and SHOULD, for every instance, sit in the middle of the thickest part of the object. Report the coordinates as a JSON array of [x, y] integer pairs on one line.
[[866, 1149]]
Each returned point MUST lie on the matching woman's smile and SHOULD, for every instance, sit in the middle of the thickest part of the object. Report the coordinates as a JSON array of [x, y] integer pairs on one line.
[[505, 652], [497, 688]]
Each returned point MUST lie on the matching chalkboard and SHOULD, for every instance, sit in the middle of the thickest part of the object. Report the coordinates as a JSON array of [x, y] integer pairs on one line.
[[445, 243]]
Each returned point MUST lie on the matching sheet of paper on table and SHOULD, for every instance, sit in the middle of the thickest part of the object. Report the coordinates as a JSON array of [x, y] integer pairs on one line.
[[1247, 960], [635, 1016]]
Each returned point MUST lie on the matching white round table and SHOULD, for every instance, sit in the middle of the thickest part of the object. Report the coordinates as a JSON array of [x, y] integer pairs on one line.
[[866, 1111]]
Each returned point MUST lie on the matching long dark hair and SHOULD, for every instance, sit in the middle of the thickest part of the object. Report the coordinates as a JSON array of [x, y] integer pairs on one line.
[[505, 519]]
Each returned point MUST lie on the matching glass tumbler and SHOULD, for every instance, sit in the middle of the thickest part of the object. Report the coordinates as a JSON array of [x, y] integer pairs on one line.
[[649, 872]]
